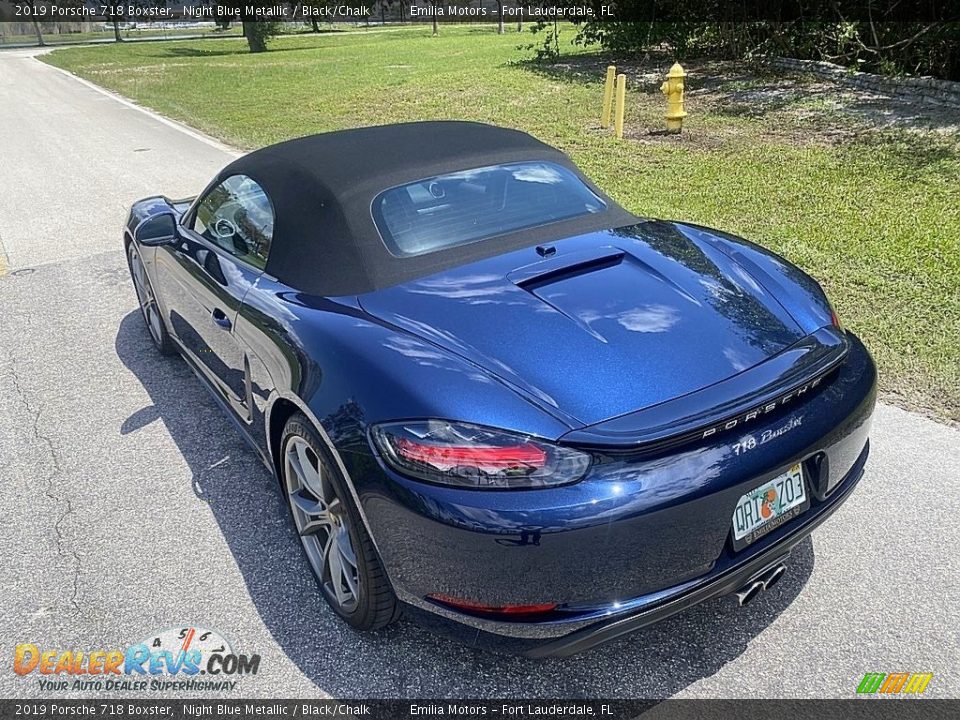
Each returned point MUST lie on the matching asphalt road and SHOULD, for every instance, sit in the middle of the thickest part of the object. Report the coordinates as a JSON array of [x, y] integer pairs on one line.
[[129, 504]]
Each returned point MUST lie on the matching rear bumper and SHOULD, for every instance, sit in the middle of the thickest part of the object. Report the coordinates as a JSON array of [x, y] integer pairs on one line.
[[636, 541], [724, 584], [655, 608]]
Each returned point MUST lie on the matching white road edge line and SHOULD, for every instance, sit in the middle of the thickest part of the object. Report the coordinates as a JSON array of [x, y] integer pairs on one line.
[[195, 134]]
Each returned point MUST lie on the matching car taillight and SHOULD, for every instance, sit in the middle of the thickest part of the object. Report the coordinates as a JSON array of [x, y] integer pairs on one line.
[[462, 455], [486, 459], [835, 320]]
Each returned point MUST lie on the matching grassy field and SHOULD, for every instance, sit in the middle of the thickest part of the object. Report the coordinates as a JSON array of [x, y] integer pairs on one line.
[[873, 214]]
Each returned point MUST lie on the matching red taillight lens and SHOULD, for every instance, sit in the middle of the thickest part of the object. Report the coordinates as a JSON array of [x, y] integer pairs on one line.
[[463, 455], [486, 459], [512, 611], [835, 320]]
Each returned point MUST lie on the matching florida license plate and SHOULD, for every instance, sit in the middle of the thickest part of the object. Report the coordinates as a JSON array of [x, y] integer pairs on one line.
[[769, 506]]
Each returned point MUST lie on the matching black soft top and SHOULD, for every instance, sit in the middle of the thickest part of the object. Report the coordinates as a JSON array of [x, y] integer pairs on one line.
[[322, 186]]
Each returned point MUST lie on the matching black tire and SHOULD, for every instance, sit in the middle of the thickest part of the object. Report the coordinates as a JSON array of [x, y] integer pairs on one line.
[[147, 300], [374, 604]]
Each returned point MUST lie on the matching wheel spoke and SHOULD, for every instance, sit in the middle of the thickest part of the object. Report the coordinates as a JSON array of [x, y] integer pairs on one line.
[[345, 547], [294, 473], [345, 561], [139, 277], [154, 319], [310, 512], [307, 504], [312, 516], [328, 545], [335, 566], [350, 577], [310, 473]]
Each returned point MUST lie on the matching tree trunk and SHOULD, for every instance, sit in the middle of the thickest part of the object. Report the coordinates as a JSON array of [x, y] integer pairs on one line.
[[36, 24], [500, 11], [313, 21], [36, 29], [435, 4], [254, 40], [116, 30]]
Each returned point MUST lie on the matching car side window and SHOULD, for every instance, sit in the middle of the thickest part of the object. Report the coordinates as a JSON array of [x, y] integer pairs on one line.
[[237, 216]]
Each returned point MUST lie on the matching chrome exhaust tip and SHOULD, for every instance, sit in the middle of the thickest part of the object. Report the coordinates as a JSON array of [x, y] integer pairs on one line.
[[763, 580], [749, 592], [774, 576]]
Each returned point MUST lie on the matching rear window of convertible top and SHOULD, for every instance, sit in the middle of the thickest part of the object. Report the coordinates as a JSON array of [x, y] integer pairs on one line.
[[471, 205]]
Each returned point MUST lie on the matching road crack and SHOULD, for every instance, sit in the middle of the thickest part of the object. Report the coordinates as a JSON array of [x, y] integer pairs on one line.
[[50, 489]]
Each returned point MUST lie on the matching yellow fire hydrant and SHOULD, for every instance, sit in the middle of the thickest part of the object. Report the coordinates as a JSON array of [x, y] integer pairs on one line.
[[673, 89]]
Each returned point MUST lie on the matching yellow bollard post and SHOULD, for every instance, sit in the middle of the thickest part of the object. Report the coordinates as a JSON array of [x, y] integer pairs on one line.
[[621, 99], [673, 89], [608, 96]]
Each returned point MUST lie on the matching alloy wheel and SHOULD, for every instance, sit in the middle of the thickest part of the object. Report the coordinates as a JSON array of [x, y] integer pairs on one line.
[[148, 303], [323, 524]]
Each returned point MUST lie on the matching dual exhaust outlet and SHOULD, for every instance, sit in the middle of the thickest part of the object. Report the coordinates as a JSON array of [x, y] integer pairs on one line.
[[764, 580]]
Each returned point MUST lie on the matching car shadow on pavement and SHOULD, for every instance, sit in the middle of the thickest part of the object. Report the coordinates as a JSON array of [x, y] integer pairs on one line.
[[404, 660]]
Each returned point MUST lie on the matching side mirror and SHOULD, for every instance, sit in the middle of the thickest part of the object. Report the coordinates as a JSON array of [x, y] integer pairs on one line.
[[159, 229]]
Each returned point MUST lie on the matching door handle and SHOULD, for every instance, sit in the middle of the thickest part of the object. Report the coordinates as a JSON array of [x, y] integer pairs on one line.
[[221, 319]]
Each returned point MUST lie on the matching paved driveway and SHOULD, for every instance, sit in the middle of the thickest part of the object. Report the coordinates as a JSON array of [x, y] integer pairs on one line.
[[128, 503], [74, 159]]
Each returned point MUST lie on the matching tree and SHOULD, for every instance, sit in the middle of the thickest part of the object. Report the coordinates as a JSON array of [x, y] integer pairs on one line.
[[436, 9], [881, 36], [500, 15], [115, 10], [314, 25], [36, 25], [257, 32], [116, 27]]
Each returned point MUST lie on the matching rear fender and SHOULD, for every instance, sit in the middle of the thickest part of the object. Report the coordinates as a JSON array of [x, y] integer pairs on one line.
[[799, 294]]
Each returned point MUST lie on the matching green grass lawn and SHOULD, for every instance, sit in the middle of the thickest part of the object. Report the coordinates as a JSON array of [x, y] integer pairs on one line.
[[874, 216]]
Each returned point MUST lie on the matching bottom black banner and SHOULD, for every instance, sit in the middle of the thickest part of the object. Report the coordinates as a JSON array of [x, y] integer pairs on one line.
[[854, 709]]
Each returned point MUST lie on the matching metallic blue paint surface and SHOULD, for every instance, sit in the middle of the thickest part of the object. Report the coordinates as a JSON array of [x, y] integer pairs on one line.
[[617, 343], [632, 328]]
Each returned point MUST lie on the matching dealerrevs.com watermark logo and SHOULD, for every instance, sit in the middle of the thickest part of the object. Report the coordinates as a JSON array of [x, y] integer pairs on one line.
[[187, 658], [894, 684]]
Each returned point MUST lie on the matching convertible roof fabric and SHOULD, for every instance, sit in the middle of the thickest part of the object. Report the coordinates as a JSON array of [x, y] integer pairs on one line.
[[325, 241]]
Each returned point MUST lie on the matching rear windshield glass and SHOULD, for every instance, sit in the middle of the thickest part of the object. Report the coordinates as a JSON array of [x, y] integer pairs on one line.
[[468, 206]]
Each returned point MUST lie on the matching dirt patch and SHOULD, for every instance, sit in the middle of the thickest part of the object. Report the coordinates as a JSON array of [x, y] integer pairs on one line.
[[774, 103]]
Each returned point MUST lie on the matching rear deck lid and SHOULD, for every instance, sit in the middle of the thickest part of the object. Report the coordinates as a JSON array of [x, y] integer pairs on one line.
[[599, 325]]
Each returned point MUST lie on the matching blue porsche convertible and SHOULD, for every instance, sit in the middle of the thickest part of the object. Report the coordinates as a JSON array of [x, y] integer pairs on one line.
[[497, 401]]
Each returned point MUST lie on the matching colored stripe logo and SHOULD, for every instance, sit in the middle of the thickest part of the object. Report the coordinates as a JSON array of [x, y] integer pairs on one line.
[[894, 683]]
